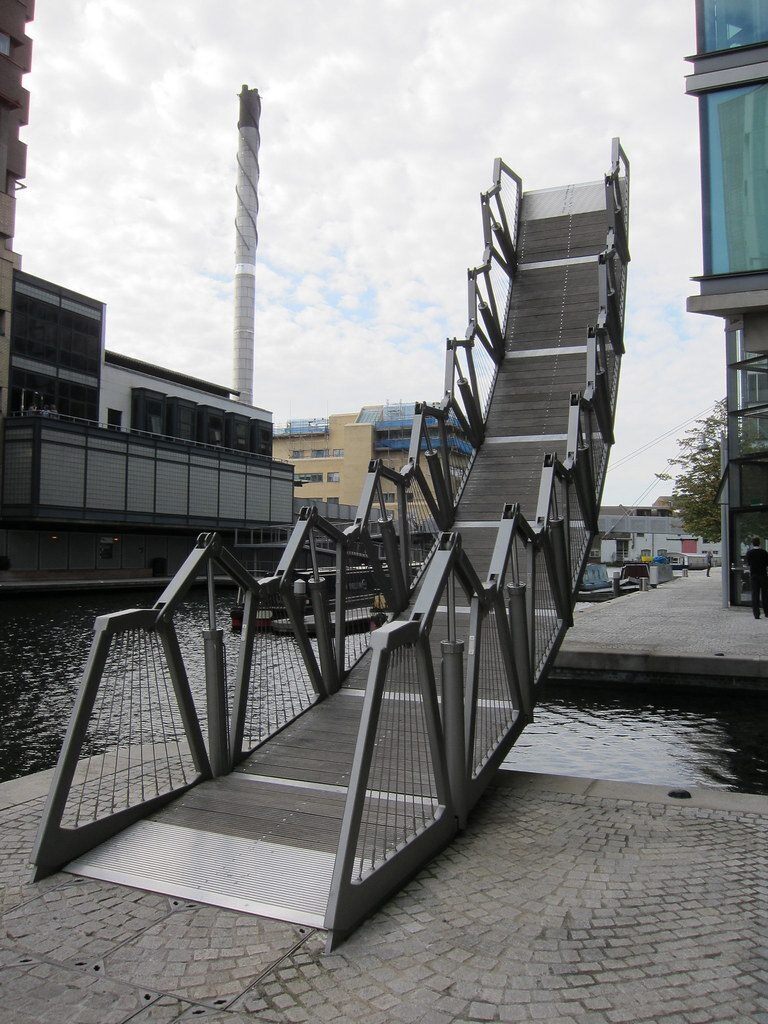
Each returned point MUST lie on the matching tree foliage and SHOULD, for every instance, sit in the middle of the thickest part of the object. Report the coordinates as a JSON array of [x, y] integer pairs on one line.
[[694, 495]]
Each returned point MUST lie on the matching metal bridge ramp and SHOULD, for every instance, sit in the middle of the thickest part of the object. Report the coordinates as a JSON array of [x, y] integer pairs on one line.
[[262, 839], [303, 773], [552, 305]]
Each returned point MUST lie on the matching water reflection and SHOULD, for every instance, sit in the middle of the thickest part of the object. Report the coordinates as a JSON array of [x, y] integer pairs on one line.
[[660, 738], [712, 740]]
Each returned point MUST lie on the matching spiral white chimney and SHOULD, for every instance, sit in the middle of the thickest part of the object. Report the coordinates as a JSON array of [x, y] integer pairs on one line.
[[246, 239]]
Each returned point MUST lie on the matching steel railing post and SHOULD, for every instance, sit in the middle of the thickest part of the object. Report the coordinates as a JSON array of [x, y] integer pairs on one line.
[[518, 628], [453, 724], [320, 611], [216, 701]]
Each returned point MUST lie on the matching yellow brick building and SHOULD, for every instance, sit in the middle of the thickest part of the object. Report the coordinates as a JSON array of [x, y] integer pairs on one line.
[[331, 456]]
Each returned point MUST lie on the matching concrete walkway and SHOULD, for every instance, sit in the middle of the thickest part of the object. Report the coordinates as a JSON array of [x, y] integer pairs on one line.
[[680, 628], [566, 900]]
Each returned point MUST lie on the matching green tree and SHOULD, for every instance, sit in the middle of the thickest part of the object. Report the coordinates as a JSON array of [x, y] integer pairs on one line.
[[694, 495]]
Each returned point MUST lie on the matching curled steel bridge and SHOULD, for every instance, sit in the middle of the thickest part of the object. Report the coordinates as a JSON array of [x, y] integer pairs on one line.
[[309, 767]]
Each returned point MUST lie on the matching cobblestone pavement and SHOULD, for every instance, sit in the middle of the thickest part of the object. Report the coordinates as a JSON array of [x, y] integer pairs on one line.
[[565, 900], [682, 617]]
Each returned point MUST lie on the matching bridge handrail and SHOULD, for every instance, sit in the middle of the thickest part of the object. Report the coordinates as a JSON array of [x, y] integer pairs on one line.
[[139, 733], [446, 435], [517, 618]]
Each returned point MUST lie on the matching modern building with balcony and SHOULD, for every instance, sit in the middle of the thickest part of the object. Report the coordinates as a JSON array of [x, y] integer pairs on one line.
[[730, 81], [113, 463], [331, 456]]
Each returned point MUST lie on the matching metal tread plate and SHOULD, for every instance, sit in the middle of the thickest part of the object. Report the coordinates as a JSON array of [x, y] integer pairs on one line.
[[253, 876]]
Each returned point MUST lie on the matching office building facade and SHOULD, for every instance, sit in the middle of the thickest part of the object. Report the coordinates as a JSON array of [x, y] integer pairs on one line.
[[113, 463], [730, 82]]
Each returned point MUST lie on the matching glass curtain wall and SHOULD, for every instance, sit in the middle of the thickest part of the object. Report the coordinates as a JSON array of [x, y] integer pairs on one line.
[[726, 24], [748, 454], [735, 150]]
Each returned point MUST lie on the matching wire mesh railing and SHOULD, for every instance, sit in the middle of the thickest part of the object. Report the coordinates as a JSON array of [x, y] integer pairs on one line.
[[366, 604], [279, 686], [495, 707], [422, 527], [135, 747], [401, 798]]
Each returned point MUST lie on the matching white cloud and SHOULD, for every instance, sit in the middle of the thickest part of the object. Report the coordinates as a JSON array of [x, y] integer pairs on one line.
[[380, 123]]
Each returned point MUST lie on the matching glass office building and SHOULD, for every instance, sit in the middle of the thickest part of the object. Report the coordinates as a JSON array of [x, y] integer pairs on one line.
[[730, 81]]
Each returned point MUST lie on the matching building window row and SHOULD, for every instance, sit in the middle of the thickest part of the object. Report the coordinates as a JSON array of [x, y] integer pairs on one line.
[[53, 333], [39, 392], [309, 478]]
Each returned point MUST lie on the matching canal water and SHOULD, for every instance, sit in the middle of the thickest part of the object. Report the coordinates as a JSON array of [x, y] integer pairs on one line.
[[663, 738]]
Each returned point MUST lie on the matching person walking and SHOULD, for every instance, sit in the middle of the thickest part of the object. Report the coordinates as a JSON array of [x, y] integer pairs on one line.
[[709, 561], [757, 561]]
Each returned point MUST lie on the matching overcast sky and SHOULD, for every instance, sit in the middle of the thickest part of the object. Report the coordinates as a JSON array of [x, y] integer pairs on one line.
[[380, 123]]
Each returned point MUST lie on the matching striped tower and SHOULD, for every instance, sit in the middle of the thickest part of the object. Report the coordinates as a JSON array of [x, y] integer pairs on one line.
[[246, 239]]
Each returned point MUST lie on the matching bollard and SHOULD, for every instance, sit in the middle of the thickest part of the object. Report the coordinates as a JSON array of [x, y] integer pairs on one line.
[[616, 584], [216, 701], [453, 724], [645, 586], [300, 593]]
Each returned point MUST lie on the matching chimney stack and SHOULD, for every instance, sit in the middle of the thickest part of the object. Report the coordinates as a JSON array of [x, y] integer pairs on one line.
[[246, 239]]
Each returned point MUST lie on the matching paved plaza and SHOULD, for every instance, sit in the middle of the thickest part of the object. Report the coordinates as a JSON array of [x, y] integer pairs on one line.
[[566, 900], [678, 627]]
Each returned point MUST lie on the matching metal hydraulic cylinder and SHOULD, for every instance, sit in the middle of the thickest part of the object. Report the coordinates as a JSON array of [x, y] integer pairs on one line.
[[321, 613], [454, 724], [216, 701], [518, 627]]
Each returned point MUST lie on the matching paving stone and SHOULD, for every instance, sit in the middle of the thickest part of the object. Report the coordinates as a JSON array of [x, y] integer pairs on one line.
[[42, 992], [80, 920], [207, 954], [18, 827], [553, 905]]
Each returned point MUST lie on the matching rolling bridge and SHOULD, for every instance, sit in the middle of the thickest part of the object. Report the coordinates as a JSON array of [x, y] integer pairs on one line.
[[307, 768]]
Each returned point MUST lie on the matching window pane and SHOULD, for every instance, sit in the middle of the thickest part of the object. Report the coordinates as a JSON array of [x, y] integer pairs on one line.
[[737, 170], [752, 432], [752, 384], [754, 483], [730, 23]]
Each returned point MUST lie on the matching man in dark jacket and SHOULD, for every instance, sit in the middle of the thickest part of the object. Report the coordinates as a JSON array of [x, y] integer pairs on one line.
[[757, 560]]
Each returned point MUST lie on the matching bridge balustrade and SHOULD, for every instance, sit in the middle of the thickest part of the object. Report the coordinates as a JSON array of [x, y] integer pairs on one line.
[[448, 689]]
